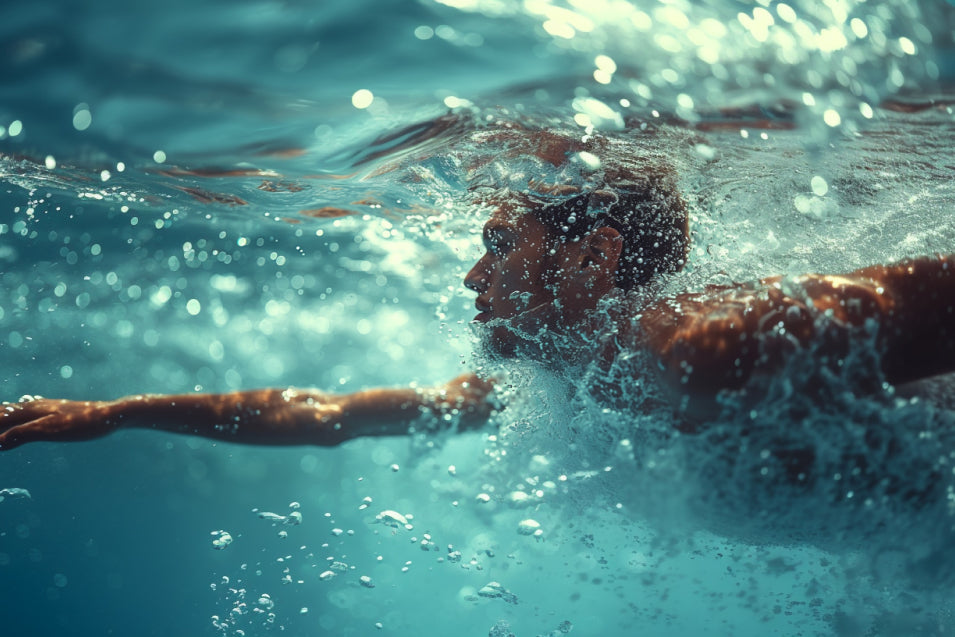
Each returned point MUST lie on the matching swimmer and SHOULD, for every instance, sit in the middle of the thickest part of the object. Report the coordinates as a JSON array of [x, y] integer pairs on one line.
[[575, 280]]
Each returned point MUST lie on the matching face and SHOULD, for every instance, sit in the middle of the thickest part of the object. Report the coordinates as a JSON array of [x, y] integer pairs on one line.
[[524, 281]]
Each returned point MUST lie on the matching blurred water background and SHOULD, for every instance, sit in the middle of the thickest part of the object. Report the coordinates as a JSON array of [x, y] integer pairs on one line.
[[208, 196]]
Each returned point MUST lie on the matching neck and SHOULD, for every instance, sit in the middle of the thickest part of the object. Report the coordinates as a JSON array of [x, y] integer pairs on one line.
[[598, 335]]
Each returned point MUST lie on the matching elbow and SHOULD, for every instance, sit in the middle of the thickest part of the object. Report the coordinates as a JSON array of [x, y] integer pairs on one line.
[[694, 378], [705, 375]]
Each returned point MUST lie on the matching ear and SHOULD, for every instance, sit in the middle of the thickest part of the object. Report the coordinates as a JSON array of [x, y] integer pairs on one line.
[[600, 250]]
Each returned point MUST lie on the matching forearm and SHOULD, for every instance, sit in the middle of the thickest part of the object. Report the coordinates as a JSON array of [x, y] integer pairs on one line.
[[266, 416], [286, 417], [277, 417]]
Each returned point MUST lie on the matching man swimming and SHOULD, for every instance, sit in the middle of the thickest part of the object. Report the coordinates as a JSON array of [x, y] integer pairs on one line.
[[577, 278]]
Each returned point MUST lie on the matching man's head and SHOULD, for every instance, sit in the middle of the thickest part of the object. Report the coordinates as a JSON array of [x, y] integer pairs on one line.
[[548, 265], [647, 212]]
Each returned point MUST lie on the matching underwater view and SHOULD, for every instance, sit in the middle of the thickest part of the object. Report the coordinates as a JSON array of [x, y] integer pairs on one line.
[[207, 197]]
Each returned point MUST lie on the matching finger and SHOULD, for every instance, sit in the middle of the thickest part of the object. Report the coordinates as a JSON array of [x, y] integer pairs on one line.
[[13, 414], [22, 434], [481, 385], [19, 413]]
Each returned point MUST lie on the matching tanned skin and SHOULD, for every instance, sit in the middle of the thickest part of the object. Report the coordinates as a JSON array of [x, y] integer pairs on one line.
[[529, 281], [721, 339], [261, 417]]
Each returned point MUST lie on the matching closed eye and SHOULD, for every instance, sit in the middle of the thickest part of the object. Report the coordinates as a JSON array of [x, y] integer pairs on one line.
[[499, 248], [497, 242]]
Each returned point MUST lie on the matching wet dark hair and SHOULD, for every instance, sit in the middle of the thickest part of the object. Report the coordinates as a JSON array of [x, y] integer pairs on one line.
[[647, 211]]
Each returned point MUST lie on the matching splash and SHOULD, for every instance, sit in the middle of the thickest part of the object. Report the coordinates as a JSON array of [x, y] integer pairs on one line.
[[838, 58]]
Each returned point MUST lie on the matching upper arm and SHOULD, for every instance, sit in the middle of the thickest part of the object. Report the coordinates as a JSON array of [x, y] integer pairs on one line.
[[722, 338], [918, 333]]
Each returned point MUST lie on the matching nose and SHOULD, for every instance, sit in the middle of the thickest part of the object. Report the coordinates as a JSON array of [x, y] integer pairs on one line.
[[476, 279]]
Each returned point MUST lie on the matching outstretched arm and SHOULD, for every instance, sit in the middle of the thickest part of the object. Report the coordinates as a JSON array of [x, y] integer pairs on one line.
[[720, 339], [265, 417]]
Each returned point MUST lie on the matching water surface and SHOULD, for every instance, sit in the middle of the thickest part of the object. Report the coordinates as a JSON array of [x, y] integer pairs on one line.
[[202, 197]]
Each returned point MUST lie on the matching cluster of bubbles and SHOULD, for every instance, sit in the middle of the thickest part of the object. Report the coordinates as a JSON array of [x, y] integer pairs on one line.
[[14, 493], [364, 546], [837, 58]]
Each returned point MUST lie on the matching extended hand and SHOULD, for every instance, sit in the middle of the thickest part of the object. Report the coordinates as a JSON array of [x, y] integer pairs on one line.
[[42, 419], [468, 394]]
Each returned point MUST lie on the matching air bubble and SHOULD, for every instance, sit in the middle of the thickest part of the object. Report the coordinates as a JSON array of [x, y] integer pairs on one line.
[[362, 98], [589, 160], [393, 519], [221, 539], [82, 118], [518, 499], [424, 32], [17, 492], [786, 13], [495, 590], [528, 527], [705, 151], [605, 63], [859, 28]]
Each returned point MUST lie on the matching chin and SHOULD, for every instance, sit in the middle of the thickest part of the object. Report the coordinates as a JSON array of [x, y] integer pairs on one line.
[[499, 341], [503, 342]]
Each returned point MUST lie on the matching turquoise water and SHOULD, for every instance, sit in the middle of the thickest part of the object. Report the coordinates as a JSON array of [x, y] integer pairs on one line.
[[217, 196]]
